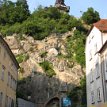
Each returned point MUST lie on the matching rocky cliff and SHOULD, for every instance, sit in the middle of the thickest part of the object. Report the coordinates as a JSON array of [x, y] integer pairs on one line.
[[31, 54]]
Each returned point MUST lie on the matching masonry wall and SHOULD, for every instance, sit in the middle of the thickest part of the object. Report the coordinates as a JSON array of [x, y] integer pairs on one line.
[[24, 103]]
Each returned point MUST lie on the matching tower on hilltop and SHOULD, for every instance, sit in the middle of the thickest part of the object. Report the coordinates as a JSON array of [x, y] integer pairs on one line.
[[61, 6]]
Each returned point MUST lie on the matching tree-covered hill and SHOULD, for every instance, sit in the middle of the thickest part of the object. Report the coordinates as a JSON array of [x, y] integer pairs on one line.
[[41, 23], [15, 18]]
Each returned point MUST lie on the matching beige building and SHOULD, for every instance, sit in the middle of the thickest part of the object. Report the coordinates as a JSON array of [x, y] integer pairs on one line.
[[95, 66], [8, 76]]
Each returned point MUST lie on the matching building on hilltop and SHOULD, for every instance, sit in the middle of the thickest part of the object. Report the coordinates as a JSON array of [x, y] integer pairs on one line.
[[8, 75], [61, 6], [96, 68]]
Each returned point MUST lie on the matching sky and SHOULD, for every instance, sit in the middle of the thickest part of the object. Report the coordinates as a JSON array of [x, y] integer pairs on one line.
[[77, 7]]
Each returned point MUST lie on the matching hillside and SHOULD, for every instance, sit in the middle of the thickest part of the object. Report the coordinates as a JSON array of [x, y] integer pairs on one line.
[[49, 46], [47, 62]]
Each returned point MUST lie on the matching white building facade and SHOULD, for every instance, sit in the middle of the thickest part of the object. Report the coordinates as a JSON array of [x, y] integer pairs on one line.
[[94, 76]]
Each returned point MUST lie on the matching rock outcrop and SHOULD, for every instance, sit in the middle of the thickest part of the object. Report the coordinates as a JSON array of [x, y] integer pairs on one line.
[[48, 49]]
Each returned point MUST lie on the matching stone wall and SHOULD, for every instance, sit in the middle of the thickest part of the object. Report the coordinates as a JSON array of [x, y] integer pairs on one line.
[[24, 103]]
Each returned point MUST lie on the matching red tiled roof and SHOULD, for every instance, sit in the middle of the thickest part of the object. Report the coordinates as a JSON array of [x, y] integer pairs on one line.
[[101, 25]]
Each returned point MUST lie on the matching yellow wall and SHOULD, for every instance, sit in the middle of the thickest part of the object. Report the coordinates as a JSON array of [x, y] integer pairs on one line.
[[100, 105], [6, 89]]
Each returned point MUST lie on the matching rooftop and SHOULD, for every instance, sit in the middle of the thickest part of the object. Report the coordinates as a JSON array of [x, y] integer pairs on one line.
[[101, 25]]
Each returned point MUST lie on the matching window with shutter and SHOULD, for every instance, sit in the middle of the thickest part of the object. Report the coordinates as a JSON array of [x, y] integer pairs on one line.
[[99, 94], [97, 70], [92, 97]]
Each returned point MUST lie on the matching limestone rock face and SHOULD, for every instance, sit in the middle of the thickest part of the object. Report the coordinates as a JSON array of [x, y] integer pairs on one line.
[[52, 52], [13, 42], [67, 76]]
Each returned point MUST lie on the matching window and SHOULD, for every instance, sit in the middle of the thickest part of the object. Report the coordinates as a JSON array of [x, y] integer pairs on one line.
[[97, 70], [15, 84], [2, 72], [4, 55], [95, 48], [89, 39], [106, 67], [92, 36], [0, 49], [11, 81], [99, 94], [92, 97], [91, 76], [90, 55], [1, 98], [6, 102], [8, 78]]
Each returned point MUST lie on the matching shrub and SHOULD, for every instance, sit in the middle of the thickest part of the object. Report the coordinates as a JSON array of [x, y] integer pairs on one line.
[[75, 47], [47, 67], [22, 57]]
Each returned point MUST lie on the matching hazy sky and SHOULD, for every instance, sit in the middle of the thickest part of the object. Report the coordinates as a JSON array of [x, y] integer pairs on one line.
[[76, 6]]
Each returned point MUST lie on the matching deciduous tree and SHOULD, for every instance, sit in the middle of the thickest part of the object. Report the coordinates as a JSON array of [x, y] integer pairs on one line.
[[90, 16]]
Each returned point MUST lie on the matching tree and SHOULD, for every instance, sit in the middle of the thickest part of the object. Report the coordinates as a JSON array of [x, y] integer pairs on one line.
[[90, 16], [11, 12], [22, 10], [78, 94]]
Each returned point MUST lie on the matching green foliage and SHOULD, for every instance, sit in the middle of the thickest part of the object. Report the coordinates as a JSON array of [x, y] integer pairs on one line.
[[22, 57], [11, 12], [90, 16], [74, 94], [78, 94], [48, 69], [24, 88], [40, 24], [83, 88], [75, 47], [21, 70], [43, 54], [22, 10]]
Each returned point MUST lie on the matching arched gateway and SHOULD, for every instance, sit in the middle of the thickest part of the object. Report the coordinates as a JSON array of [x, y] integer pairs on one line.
[[53, 102]]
